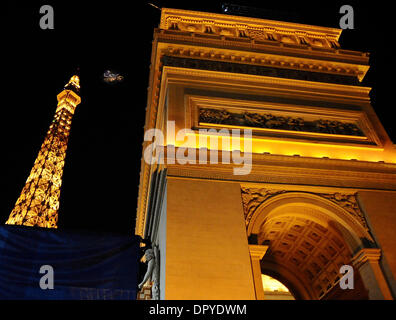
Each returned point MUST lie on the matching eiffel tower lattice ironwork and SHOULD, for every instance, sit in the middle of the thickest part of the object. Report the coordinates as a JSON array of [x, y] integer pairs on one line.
[[38, 203]]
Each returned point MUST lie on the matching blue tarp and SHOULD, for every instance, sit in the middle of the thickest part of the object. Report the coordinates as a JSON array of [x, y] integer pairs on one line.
[[85, 265]]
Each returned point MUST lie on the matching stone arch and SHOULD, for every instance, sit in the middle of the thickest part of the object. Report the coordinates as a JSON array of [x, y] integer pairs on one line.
[[315, 208], [290, 223]]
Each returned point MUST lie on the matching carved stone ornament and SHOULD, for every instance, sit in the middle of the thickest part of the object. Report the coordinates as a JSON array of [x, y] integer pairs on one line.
[[269, 121], [252, 198], [151, 277], [349, 203]]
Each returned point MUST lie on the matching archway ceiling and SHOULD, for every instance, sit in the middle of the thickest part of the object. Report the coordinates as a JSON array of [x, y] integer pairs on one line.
[[311, 251]]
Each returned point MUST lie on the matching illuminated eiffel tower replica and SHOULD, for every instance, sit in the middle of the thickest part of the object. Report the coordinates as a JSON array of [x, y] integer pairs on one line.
[[38, 203]]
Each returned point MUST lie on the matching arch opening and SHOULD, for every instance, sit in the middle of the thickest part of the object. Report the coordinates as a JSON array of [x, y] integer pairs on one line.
[[275, 289], [308, 243]]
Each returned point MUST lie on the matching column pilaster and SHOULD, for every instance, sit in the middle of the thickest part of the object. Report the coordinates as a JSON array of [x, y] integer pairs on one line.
[[257, 253], [367, 262]]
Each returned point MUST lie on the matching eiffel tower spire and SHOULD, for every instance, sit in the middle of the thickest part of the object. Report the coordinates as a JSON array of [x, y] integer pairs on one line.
[[38, 203]]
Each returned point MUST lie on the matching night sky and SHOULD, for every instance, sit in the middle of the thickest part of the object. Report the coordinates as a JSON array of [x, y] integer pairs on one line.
[[101, 174]]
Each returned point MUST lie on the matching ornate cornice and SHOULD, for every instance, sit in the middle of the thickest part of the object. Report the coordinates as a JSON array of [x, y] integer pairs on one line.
[[247, 27], [260, 70], [263, 53]]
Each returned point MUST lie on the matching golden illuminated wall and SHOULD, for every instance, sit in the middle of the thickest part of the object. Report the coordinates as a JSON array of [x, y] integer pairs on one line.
[[313, 131], [291, 84], [207, 255], [38, 203]]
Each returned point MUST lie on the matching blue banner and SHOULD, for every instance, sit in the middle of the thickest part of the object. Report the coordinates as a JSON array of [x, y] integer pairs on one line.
[[39, 263]]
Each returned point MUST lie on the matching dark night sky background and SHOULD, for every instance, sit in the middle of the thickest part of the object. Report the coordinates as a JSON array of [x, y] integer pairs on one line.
[[101, 175]]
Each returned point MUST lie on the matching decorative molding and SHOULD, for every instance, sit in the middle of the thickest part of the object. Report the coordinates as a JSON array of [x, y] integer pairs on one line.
[[257, 251], [345, 94], [349, 203], [252, 198], [302, 171], [262, 53], [247, 27], [322, 124], [372, 255], [270, 121], [260, 70]]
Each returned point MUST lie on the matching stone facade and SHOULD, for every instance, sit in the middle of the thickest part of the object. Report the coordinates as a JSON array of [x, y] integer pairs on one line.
[[322, 183]]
